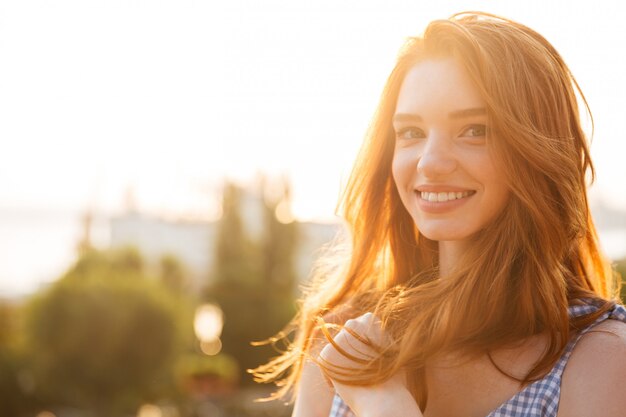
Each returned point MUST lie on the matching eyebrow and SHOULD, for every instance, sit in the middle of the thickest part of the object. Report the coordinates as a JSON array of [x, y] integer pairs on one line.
[[457, 114]]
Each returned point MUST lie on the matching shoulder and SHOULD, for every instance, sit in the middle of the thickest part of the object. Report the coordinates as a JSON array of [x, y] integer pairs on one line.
[[594, 380]]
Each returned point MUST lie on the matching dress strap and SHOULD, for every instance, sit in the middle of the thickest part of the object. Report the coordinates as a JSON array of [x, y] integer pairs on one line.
[[618, 312]]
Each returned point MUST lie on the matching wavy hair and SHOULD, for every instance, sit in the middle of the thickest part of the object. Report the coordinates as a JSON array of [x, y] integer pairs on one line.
[[539, 256]]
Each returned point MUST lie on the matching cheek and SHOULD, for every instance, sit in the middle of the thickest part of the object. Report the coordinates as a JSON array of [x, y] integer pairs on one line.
[[489, 170], [493, 179], [497, 188], [497, 167], [499, 197], [402, 169], [396, 172]]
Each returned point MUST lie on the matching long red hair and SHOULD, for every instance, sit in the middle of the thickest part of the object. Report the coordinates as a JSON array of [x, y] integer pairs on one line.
[[539, 256]]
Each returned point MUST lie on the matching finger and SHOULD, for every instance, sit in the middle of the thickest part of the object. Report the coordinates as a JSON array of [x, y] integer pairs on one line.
[[370, 328], [365, 341], [367, 321], [378, 328], [346, 351], [342, 346], [353, 345]]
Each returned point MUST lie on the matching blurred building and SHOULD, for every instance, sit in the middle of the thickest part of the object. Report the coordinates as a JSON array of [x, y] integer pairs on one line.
[[193, 242]]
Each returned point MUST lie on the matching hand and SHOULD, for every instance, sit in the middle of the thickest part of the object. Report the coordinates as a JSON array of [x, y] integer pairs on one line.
[[360, 341]]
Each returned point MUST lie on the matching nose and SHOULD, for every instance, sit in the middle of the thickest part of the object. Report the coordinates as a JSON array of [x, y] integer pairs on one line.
[[437, 158]]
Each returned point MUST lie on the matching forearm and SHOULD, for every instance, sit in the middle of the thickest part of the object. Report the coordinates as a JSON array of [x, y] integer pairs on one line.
[[384, 400], [315, 396], [400, 403]]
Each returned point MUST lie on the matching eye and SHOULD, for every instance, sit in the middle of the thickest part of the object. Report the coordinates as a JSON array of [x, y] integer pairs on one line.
[[475, 131], [410, 133]]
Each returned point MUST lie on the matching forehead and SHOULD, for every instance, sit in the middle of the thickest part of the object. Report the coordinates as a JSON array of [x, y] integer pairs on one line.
[[435, 85]]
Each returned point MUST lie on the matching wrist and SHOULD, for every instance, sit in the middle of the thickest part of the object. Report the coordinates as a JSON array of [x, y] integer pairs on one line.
[[400, 402]]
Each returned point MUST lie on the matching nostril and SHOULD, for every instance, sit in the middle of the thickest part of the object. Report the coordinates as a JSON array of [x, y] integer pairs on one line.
[[432, 165]]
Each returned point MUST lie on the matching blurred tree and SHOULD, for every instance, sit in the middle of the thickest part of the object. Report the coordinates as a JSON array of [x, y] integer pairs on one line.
[[237, 257], [253, 281], [12, 395], [104, 336], [280, 241], [202, 375], [7, 323], [172, 274]]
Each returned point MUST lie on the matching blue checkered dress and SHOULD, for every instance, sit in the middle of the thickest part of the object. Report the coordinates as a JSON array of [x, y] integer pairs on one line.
[[541, 398]]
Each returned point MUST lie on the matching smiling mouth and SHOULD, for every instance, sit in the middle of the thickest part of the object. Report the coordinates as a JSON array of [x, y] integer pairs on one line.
[[444, 196]]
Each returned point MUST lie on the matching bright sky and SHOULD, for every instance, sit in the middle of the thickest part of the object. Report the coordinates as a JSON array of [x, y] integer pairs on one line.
[[171, 96]]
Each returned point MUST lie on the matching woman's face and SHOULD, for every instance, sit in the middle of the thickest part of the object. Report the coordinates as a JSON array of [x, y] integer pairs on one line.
[[442, 167]]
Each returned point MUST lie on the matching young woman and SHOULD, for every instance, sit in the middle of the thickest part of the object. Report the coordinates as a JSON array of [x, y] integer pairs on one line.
[[475, 284]]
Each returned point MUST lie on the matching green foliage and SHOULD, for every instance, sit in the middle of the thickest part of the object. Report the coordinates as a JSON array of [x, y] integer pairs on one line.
[[278, 248], [221, 366], [251, 314], [253, 281], [104, 336], [12, 398], [7, 324], [172, 274], [237, 258]]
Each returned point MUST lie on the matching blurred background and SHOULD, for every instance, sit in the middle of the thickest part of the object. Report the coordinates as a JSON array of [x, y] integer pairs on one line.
[[169, 172]]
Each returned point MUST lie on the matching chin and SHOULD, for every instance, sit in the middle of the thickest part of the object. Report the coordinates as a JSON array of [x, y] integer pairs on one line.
[[441, 234]]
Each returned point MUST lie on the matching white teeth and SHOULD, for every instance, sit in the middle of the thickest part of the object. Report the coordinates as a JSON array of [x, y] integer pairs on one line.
[[444, 196]]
